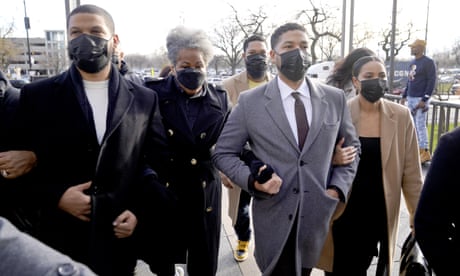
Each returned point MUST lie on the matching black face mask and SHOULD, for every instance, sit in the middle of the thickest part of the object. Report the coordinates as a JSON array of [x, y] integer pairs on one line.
[[89, 52], [256, 65], [190, 78], [373, 89], [294, 64]]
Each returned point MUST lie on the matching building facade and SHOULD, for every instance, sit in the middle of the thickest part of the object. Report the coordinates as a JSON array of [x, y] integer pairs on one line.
[[48, 55]]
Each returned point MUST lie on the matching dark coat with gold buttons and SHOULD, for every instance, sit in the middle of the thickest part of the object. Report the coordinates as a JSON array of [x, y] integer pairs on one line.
[[57, 125], [193, 176]]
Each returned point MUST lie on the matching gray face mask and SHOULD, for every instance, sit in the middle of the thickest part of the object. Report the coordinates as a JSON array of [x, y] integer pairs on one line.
[[373, 89], [294, 64]]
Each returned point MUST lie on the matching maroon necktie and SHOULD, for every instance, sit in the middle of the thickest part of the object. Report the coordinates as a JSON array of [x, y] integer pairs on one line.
[[301, 119]]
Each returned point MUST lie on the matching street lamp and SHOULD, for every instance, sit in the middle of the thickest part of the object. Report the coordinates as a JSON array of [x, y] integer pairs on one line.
[[393, 39], [427, 16], [27, 25]]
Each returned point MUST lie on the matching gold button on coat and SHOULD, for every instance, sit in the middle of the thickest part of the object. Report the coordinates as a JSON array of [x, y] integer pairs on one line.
[[193, 161]]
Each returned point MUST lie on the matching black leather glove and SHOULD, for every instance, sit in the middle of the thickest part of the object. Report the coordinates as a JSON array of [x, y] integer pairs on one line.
[[264, 175], [254, 166]]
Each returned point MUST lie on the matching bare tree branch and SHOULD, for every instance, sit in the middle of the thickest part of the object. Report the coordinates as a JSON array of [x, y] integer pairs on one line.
[[322, 28], [7, 48]]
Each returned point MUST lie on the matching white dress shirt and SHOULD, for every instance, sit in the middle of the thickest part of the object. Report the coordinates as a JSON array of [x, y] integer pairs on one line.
[[289, 101]]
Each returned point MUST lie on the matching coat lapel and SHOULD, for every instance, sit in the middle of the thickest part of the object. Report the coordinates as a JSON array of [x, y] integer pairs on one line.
[[120, 99], [210, 113], [388, 131], [318, 105], [241, 83], [388, 126], [274, 108]]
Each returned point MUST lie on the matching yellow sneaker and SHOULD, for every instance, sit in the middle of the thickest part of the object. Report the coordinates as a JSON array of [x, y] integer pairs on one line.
[[242, 251], [425, 156]]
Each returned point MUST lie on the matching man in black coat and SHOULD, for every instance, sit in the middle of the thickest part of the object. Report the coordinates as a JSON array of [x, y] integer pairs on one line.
[[437, 218], [16, 203], [94, 133]]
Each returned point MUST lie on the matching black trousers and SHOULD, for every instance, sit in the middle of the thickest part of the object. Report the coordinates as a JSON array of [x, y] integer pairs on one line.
[[286, 264], [243, 222], [354, 250]]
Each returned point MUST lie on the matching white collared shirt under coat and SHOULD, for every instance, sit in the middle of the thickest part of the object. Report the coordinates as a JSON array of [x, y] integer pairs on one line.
[[289, 102]]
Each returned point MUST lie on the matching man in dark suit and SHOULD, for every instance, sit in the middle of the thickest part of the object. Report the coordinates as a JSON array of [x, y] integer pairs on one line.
[[437, 218], [15, 203], [93, 132], [291, 211]]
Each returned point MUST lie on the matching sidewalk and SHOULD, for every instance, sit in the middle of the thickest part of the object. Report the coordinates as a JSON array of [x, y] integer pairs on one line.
[[229, 267], [249, 267]]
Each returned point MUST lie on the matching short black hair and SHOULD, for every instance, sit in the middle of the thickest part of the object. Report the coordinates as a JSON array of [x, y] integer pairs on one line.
[[283, 29], [93, 9], [254, 37]]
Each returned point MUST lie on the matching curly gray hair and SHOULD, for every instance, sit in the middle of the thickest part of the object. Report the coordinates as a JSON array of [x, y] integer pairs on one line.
[[185, 38]]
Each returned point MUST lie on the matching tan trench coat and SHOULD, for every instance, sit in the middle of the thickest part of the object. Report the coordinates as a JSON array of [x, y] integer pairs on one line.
[[401, 171], [235, 85]]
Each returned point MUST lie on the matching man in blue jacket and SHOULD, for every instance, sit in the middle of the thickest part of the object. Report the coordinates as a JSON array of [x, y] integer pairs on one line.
[[420, 86]]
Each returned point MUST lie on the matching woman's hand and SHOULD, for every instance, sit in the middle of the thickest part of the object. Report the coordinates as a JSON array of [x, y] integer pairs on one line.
[[343, 155]]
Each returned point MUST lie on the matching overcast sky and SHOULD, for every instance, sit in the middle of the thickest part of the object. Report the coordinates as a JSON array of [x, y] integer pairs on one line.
[[143, 24]]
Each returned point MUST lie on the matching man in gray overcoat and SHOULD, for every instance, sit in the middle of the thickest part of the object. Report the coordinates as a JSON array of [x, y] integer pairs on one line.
[[291, 211], [23, 255]]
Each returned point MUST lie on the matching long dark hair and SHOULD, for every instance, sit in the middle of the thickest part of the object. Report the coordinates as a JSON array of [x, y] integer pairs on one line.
[[343, 70]]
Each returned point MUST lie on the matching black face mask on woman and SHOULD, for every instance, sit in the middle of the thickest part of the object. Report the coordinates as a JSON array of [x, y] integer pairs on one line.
[[294, 64], [190, 78], [89, 52], [373, 89], [256, 65]]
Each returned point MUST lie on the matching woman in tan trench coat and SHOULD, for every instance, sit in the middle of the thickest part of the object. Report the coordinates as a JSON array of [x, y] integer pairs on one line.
[[392, 166]]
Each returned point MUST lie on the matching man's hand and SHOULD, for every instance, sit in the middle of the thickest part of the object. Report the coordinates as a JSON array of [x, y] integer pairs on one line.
[[272, 186], [403, 101], [421, 105], [75, 202], [15, 163], [343, 155], [333, 193], [124, 224]]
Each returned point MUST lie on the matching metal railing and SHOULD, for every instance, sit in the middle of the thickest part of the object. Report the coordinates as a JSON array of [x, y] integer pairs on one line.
[[443, 116]]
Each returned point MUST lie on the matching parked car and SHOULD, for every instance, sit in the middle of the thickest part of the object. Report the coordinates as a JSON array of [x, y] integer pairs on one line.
[[215, 80], [321, 70], [19, 83]]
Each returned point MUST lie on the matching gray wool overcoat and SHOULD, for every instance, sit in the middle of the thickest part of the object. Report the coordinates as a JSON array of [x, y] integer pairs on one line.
[[259, 119]]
